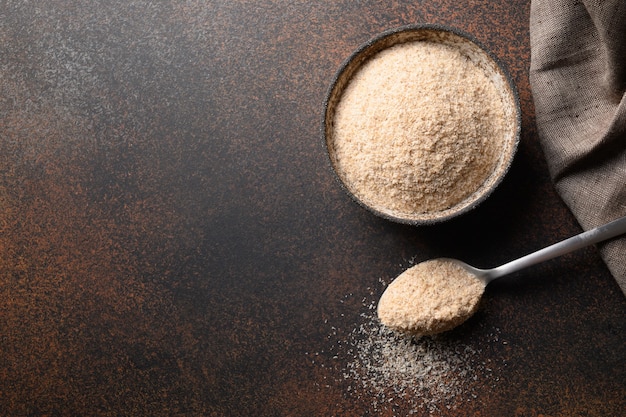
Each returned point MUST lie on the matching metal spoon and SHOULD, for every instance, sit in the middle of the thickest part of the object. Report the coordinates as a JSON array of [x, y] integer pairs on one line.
[[439, 294], [598, 234]]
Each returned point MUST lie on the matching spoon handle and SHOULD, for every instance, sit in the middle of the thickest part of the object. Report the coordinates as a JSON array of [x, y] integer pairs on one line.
[[598, 234]]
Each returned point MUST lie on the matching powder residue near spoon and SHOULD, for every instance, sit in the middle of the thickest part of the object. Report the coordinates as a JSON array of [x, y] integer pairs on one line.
[[430, 298], [396, 373]]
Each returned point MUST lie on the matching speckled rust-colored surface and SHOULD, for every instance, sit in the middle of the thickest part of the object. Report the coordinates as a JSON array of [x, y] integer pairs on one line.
[[173, 243]]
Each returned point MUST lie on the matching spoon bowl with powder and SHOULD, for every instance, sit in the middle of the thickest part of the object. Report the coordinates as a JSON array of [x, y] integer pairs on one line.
[[437, 295]]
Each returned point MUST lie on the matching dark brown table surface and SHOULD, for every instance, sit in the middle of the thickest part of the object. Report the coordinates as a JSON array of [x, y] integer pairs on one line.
[[173, 241]]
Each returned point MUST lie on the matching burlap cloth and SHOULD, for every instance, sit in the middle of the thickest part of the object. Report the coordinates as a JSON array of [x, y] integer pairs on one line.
[[578, 80]]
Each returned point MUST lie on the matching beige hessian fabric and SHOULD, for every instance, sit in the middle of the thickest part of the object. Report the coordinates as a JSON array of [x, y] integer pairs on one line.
[[578, 79]]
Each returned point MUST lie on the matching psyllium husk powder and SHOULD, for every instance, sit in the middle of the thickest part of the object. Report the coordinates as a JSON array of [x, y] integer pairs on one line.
[[419, 129]]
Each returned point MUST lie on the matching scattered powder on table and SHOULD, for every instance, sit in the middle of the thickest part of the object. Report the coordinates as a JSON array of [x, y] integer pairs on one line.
[[430, 297], [398, 373], [419, 128]]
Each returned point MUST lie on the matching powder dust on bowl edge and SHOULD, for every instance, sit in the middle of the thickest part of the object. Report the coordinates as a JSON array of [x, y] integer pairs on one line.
[[421, 124]]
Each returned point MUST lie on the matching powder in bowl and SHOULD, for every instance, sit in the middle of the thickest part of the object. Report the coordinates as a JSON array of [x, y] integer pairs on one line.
[[430, 297], [421, 125]]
